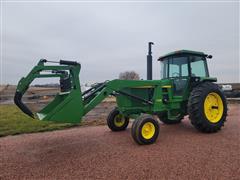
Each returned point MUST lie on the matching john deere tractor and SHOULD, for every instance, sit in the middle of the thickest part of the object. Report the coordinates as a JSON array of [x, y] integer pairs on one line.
[[185, 88]]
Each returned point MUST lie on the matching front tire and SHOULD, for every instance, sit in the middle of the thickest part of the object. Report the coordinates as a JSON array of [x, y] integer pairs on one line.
[[117, 121], [145, 130], [207, 107]]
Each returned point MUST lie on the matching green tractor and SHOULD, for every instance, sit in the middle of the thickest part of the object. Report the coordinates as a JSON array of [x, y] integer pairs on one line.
[[184, 89]]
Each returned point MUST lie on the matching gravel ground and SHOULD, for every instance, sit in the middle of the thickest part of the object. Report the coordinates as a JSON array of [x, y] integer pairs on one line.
[[181, 152]]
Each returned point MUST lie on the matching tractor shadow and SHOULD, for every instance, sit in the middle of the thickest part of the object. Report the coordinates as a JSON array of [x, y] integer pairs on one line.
[[185, 128]]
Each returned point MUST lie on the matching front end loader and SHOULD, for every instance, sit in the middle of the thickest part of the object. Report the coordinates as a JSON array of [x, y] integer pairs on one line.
[[185, 88]]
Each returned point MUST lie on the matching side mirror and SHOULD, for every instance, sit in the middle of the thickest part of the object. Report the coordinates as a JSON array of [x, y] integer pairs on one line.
[[209, 56]]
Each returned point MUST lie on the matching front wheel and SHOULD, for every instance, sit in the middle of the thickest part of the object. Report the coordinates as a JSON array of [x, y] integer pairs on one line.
[[145, 130], [117, 121]]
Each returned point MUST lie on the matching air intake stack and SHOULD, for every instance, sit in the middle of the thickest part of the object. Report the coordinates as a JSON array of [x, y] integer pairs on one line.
[[149, 61]]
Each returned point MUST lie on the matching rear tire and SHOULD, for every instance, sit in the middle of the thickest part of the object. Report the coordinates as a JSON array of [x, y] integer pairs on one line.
[[207, 107], [145, 130], [117, 121]]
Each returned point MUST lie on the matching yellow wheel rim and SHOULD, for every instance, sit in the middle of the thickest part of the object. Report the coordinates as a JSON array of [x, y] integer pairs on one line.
[[213, 107], [119, 120], [148, 130]]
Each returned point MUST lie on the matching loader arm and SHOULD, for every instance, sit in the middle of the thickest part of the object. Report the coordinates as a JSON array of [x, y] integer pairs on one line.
[[70, 105], [116, 87]]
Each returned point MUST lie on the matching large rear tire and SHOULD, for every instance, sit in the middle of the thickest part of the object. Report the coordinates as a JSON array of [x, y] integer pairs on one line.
[[207, 107]]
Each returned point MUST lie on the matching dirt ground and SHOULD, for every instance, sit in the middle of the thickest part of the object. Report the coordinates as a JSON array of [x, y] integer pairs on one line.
[[181, 152]]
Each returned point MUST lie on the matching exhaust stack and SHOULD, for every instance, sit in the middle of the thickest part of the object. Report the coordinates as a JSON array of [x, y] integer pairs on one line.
[[149, 61]]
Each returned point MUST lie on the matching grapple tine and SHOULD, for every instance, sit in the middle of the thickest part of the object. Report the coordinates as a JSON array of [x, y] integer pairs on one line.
[[21, 105]]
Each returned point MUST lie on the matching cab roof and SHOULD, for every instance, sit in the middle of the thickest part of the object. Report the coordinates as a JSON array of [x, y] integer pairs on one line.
[[180, 52]]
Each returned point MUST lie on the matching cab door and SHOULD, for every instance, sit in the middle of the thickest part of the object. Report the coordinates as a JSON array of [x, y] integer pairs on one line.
[[178, 71]]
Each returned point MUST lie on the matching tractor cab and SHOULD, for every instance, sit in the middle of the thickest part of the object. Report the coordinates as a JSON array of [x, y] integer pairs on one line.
[[185, 68]]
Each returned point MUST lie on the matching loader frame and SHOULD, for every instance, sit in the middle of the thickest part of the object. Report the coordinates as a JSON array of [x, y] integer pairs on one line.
[[71, 105]]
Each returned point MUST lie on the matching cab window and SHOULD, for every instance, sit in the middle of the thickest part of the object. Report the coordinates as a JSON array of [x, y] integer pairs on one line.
[[164, 69], [198, 67], [178, 67], [175, 67]]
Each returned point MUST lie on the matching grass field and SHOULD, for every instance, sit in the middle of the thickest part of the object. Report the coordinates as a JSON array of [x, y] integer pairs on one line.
[[13, 121]]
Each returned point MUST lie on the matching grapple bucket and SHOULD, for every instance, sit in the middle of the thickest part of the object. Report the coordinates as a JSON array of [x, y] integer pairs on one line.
[[67, 106]]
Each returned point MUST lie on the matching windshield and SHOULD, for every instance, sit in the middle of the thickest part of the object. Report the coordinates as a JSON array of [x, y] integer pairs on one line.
[[175, 67]]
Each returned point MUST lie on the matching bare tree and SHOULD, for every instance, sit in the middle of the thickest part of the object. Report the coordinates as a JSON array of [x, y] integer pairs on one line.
[[129, 75]]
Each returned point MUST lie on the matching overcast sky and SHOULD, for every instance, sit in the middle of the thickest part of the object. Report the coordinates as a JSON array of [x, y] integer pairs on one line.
[[109, 38]]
